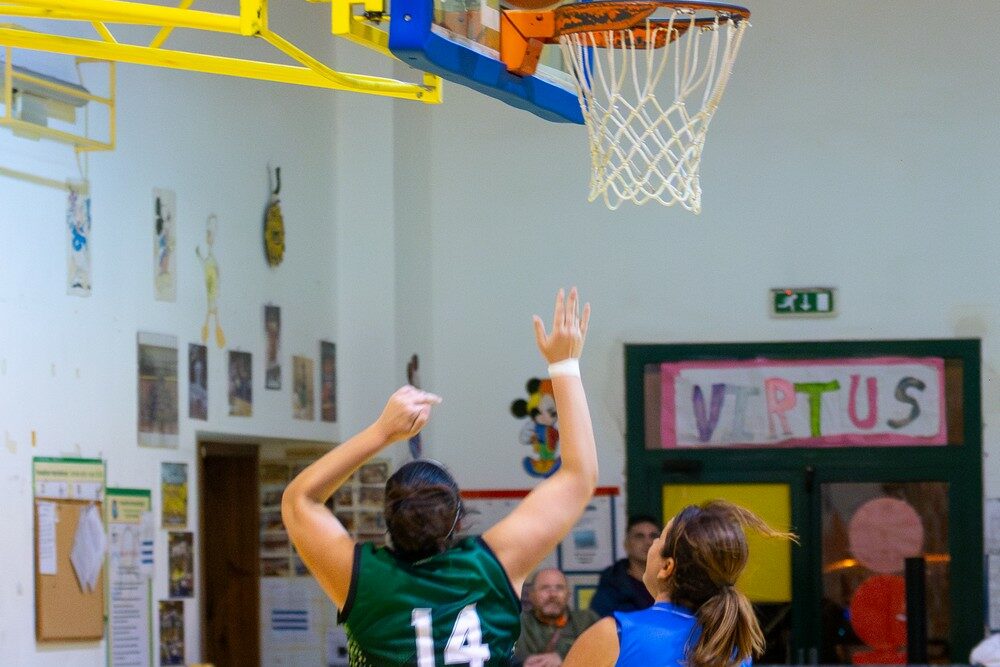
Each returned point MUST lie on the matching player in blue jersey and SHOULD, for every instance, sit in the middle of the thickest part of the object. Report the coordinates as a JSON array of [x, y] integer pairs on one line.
[[432, 600], [699, 618]]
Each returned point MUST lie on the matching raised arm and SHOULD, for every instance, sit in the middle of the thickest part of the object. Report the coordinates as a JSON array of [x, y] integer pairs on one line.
[[323, 543], [533, 529], [597, 647]]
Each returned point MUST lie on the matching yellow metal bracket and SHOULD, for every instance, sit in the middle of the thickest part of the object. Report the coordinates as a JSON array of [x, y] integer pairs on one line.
[[16, 79], [252, 21]]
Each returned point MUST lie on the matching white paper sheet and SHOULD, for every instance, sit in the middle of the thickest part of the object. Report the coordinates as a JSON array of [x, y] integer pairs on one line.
[[47, 537], [992, 526], [89, 545], [147, 534]]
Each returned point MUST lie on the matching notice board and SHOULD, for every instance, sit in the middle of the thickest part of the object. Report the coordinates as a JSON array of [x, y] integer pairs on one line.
[[64, 489]]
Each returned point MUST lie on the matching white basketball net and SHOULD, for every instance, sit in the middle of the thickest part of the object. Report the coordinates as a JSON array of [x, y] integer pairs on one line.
[[645, 142]]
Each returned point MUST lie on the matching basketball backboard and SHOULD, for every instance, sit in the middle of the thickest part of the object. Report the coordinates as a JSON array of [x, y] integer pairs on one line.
[[459, 40]]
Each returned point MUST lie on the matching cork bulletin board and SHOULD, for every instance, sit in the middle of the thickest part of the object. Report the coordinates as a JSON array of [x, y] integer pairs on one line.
[[64, 488]]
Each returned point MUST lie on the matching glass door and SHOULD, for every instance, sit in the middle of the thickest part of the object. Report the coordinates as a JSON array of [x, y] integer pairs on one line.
[[871, 531], [884, 512]]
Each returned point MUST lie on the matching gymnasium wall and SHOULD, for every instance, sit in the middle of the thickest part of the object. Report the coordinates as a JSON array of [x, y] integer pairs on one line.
[[851, 150], [68, 364], [855, 147]]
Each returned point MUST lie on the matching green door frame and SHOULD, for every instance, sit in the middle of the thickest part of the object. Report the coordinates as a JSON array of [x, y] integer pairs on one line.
[[804, 469]]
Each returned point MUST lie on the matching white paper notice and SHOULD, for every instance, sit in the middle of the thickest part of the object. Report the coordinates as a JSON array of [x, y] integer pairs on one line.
[[46, 537], [589, 546], [993, 591], [128, 619], [992, 527], [89, 545], [147, 534]]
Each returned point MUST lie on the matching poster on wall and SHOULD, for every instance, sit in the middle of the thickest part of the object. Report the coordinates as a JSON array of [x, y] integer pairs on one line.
[[877, 401], [174, 494], [180, 560], [485, 507], [590, 545], [171, 632], [157, 390], [240, 384], [303, 389], [130, 630], [77, 244], [197, 381], [991, 543], [164, 244], [328, 381], [272, 358]]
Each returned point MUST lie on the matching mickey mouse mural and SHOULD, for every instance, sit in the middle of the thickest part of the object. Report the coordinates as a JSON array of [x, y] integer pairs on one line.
[[540, 430]]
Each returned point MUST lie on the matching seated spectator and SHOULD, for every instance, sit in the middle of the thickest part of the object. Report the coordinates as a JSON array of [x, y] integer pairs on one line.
[[550, 627], [620, 587]]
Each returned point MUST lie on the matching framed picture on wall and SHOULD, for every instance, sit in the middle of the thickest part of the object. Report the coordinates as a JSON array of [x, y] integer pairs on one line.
[[590, 545]]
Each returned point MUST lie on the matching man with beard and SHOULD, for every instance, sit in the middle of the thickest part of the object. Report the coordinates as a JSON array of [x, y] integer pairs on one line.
[[550, 627]]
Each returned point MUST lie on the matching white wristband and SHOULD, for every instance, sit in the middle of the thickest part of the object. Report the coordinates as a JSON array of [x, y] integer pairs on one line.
[[565, 368]]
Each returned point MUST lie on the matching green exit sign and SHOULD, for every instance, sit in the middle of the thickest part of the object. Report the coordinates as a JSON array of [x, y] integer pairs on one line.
[[802, 302]]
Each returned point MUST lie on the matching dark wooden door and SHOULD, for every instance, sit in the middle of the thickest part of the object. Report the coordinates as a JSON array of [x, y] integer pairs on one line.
[[230, 545]]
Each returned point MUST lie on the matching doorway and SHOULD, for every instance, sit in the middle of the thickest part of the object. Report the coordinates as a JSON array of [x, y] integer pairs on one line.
[[860, 508], [230, 515]]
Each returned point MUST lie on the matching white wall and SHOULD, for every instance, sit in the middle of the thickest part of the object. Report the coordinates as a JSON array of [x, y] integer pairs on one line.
[[854, 148], [68, 365]]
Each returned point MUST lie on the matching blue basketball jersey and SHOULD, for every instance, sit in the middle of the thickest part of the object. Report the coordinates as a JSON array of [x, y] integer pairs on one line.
[[659, 636]]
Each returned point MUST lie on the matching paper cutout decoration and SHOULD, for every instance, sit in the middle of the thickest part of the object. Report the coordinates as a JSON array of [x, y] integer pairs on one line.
[[210, 267], [272, 357], [413, 379], [274, 224], [878, 616], [884, 532], [164, 242], [78, 244], [540, 430]]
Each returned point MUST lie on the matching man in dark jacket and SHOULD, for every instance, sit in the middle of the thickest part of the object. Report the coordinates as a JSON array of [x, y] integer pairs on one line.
[[620, 587]]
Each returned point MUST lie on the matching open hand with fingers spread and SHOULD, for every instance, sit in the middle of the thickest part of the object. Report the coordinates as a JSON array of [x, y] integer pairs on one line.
[[569, 329], [406, 413]]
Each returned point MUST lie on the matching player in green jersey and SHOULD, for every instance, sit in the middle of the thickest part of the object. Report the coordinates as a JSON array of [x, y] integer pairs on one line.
[[431, 600]]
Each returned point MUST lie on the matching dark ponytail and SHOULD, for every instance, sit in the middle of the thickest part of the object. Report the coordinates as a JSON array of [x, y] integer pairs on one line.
[[423, 509]]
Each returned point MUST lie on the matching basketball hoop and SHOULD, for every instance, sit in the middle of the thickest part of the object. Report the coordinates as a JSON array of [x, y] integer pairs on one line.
[[639, 67]]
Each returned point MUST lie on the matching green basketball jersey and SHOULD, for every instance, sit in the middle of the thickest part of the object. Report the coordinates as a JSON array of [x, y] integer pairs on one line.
[[455, 608]]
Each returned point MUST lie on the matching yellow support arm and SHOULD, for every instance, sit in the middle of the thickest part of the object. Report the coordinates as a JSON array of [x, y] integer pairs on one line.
[[251, 21], [118, 11], [141, 55]]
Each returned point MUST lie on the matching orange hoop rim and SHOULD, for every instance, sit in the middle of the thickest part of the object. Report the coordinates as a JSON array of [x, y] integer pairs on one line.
[[603, 15]]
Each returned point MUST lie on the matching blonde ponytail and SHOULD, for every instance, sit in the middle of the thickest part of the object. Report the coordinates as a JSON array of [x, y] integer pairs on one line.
[[709, 548], [730, 632]]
